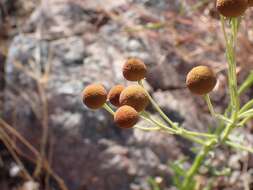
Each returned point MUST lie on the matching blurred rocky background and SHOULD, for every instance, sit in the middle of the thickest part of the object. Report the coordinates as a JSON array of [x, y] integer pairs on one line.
[[52, 49]]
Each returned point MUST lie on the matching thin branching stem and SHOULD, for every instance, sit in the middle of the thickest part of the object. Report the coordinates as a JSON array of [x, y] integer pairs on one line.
[[233, 106], [239, 146], [192, 136], [212, 111], [108, 108], [232, 78], [246, 114], [179, 131], [158, 109], [246, 107], [245, 120], [146, 115], [210, 105], [196, 164], [147, 128]]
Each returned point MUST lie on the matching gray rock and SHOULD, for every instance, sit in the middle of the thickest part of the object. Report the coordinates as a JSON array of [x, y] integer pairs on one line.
[[70, 51]]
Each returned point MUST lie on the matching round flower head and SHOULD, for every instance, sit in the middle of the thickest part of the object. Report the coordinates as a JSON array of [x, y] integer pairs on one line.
[[250, 3], [134, 70], [231, 8], [94, 96], [126, 117], [134, 96], [201, 80], [114, 93]]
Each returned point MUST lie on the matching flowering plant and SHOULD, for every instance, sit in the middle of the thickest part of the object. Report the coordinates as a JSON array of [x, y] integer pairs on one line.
[[130, 102]]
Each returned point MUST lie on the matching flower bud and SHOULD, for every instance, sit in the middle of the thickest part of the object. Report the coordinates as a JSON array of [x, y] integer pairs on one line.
[[134, 70], [126, 117], [231, 8], [250, 3], [134, 96], [114, 94], [94, 96], [201, 80]]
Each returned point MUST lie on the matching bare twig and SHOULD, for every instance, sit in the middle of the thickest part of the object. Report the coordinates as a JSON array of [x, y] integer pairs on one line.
[[45, 165], [9, 145]]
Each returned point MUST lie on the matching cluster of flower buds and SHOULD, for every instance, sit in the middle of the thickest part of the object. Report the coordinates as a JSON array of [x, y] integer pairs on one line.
[[233, 8], [129, 101], [133, 99]]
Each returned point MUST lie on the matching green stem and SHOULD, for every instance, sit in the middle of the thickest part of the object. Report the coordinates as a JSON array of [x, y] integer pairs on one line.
[[232, 67], [196, 165], [189, 137], [209, 104], [230, 53], [235, 26], [246, 113], [224, 29], [234, 103], [186, 134], [192, 138], [213, 113], [147, 128], [146, 115], [224, 119], [158, 109], [247, 106], [180, 132], [226, 132], [197, 134], [238, 146], [246, 84], [108, 108], [232, 78], [245, 120], [170, 122]]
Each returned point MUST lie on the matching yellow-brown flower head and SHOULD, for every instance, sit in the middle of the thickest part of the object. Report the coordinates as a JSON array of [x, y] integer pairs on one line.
[[134, 70], [250, 3], [201, 80], [94, 96], [126, 117], [114, 94], [231, 8], [134, 96]]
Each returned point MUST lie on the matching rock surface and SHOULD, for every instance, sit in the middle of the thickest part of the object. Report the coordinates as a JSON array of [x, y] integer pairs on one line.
[[79, 43]]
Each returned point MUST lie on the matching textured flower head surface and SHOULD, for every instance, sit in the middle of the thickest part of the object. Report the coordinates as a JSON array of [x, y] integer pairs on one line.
[[114, 94], [94, 96], [134, 69], [201, 80], [231, 8], [134, 96], [250, 3], [126, 117]]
